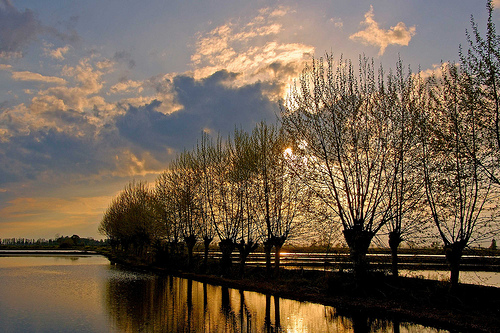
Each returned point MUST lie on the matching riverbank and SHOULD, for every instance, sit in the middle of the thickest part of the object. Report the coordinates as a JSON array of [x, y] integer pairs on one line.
[[468, 308]]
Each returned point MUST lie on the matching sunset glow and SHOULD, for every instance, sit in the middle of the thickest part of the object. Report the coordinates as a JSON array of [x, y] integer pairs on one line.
[[96, 94]]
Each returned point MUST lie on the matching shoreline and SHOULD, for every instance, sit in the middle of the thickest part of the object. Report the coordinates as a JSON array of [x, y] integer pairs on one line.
[[471, 308], [48, 252]]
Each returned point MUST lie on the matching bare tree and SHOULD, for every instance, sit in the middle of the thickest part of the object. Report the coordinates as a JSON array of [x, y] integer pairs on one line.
[[342, 132], [481, 62], [204, 159], [280, 202], [227, 199], [458, 192], [244, 157], [185, 181], [165, 194], [133, 220], [404, 102]]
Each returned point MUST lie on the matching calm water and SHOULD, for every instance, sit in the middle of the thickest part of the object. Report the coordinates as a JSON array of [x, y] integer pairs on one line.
[[87, 294]]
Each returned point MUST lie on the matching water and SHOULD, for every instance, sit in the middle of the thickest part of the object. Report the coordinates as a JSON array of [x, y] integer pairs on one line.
[[490, 279], [69, 293]]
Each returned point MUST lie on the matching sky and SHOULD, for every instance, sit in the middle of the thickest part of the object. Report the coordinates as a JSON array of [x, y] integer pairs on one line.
[[96, 93]]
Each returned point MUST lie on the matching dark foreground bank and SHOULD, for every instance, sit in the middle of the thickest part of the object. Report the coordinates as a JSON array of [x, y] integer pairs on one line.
[[466, 308]]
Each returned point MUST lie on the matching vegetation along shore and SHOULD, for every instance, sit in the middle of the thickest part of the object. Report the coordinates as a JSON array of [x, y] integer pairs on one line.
[[466, 308]]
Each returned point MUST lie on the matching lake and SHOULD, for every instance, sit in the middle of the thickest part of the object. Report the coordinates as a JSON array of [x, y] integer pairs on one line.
[[84, 293]]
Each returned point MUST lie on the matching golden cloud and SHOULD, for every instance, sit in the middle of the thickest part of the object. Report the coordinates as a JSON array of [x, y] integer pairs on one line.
[[253, 50], [126, 86], [374, 35], [57, 53], [30, 76]]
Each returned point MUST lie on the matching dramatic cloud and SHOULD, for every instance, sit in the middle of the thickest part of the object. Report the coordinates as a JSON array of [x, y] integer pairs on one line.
[[209, 104], [252, 50], [374, 35]]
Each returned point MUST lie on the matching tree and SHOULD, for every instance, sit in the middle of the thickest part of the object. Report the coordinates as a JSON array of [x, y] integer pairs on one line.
[[184, 182], [481, 63], [165, 195], [342, 132], [279, 201], [204, 159], [458, 191], [403, 100], [244, 174], [227, 199], [132, 220]]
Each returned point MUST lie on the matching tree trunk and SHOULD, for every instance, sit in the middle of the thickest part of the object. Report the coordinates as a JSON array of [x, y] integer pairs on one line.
[[278, 244], [245, 249], [190, 243], [268, 246], [227, 247], [394, 242], [206, 242], [358, 241], [454, 254]]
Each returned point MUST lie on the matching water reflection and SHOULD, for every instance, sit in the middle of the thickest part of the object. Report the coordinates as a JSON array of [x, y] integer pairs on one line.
[[171, 304]]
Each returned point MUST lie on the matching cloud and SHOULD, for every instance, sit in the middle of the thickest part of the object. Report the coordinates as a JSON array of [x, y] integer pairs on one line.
[[374, 35], [252, 49], [73, 130], [57, 53], [127, 86], [209, 103], [30, 76], [337, 22], [17, 28], [125, 57], [83, 95]]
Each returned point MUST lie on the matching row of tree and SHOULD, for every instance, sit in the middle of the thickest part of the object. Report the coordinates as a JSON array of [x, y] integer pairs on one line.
[[239, 191], [369, 151], [392, 151], [58, 241]]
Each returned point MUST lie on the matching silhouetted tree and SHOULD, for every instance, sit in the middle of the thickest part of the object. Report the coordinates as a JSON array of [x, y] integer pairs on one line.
[[279, 199], [458, 192], [204, 159], [133, 219], [244, 159], [481, 63], [342, 133], [403, 100], [185, 182]]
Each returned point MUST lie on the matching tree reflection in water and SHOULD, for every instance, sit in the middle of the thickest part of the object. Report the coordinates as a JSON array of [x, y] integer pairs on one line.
[[154, 304]]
